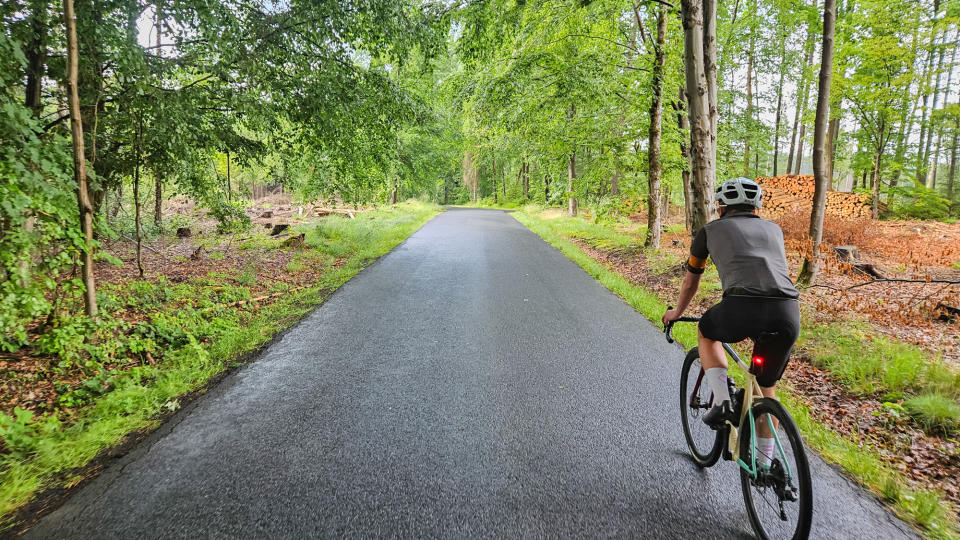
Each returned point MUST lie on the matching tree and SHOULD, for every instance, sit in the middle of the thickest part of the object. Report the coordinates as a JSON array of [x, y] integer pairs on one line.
[[700, 54], [79, 159], [808, 270], [655, 169]]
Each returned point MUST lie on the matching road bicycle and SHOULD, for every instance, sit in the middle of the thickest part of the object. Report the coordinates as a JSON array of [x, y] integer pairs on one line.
[[776, 488]]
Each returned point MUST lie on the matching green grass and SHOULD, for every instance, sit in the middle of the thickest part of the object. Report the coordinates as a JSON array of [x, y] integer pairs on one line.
[[924, 508], [40, 451], [935, 411]]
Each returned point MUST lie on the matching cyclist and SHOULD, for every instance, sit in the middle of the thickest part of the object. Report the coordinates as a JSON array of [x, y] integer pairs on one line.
[[759, 299]]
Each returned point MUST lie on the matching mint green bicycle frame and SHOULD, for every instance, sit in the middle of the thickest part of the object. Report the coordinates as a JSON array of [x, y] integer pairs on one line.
[[751, 391]]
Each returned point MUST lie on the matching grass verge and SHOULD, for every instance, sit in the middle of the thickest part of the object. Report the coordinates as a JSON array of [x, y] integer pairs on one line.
[[48, 451], [921, 507]]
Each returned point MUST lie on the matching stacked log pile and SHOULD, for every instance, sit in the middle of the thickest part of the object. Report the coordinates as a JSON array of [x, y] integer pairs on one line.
[[791, 193]]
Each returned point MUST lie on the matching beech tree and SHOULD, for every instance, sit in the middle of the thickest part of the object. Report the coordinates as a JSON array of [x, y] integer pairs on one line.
[[808, 269]]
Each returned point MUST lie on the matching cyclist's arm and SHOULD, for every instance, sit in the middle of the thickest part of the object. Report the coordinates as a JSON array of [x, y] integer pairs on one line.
[[687, 290], [695, 266]]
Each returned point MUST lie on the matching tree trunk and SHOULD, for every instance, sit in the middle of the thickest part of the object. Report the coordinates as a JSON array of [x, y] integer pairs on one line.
[[935, 160], [881, 146], [801, 102], [808, 270], [682, 124], [699, 26], [953, 164], [494, 175], [158, 201], [776, 125], [546, 188], [36, 57], [615, 182], [654, 168], [833, 133], [749, 123], [571, 173], [921, 156], [138, 230], [229, 188], [79, 163]]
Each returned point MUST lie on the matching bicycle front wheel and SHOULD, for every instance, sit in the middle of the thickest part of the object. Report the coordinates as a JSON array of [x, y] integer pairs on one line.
[[695, 400], [779, 496]]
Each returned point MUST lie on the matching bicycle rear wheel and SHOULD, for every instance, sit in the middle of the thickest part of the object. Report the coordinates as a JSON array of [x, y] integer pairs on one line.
[[780, 498], [695, 400]]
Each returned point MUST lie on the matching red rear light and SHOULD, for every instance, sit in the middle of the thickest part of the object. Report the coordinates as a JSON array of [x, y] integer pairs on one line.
[[757, 360]]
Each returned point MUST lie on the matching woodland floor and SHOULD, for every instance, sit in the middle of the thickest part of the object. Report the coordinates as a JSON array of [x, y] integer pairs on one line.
[[904, 311], [253, 260]]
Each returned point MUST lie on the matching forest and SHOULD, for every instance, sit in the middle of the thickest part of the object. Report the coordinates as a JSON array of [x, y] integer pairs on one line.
[[182, 179]]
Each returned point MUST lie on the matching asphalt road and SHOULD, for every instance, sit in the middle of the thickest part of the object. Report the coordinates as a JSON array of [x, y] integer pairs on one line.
[[472, 383]]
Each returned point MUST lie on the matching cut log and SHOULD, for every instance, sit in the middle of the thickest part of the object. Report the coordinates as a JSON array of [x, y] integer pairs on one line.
[[184, 232], [847, 253], [868, 270], [279, 228]]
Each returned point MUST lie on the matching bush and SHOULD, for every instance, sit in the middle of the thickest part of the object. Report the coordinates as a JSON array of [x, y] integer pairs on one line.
[[920, 203]]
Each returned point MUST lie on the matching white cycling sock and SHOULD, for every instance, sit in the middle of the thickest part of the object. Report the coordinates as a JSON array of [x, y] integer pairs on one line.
[[766, 448], [717, 380]]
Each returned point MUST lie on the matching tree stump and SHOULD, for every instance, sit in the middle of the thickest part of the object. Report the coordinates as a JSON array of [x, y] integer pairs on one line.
[[279, 228], [267, 215], [184, 232]]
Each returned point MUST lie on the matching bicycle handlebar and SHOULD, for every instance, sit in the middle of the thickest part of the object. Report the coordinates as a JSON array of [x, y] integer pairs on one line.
[[669, 327]]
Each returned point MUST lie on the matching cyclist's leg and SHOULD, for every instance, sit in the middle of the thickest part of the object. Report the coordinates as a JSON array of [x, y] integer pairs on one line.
[[720, 324], [711, 353], [773, 347]]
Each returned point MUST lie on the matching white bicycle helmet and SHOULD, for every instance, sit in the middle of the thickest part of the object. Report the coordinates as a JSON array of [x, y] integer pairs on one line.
[[740, 191]]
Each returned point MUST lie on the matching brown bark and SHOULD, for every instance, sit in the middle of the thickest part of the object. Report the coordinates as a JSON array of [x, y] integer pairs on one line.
[[699, 25], [808, 270], [654, 168], [79, 163]]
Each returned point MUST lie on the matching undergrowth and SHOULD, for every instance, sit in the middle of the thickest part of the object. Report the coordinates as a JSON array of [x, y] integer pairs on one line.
[[136, 372], [923, 507]]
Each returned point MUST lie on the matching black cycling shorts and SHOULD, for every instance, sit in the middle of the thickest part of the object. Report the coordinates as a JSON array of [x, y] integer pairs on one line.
[[772, 323]]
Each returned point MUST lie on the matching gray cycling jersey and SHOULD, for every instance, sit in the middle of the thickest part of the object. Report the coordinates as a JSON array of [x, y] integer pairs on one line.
[[749, 255]]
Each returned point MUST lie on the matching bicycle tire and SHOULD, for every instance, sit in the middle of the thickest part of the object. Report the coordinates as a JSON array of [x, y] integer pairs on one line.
[[801, 474], [708, 455]]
